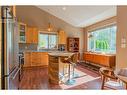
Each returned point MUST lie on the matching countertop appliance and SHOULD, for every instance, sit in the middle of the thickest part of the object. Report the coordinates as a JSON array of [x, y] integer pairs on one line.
[[10, 62], [61, 47]]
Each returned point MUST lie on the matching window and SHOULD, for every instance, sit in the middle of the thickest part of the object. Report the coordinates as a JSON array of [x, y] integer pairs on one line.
[[102, 40], [47, 41]]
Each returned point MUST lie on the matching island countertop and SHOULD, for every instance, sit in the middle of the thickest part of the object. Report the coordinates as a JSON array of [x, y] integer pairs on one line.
[[61, 54]]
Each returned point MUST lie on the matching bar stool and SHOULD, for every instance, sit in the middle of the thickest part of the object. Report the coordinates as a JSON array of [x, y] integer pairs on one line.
[[70, 63], [64, 66], [70, 80], [74, 61]]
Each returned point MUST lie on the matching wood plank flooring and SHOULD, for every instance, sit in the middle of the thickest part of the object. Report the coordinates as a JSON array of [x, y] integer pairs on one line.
[[37, 78]]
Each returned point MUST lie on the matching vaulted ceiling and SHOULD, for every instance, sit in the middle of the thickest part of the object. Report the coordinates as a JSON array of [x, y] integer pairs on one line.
[[81, 16]]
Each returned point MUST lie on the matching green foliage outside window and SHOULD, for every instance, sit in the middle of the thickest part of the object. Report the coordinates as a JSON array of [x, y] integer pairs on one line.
[[103, 40], [102, 45]]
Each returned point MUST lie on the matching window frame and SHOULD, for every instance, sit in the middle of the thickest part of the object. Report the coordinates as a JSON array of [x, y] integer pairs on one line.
[[96, 29], [48, 33]]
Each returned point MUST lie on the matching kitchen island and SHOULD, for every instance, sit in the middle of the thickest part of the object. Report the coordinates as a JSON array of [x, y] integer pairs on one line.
[[55, 65]]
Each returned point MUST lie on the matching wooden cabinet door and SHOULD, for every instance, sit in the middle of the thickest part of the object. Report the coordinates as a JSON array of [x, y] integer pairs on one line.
[[27, 59], [105, 61], [88, 57], [29, 35], [44, 58], [62, 37], [32, 35], [36, 59], [35, 35]]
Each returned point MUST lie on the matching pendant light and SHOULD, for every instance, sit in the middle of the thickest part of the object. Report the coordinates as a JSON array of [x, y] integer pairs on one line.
[[49, 27]]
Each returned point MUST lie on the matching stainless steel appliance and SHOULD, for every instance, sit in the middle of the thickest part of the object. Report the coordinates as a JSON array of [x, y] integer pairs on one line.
[[10, 64]]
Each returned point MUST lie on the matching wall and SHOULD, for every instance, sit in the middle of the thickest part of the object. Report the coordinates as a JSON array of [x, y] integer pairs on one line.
[[97, 25], [27, 46], [34, 16], [121, 56]]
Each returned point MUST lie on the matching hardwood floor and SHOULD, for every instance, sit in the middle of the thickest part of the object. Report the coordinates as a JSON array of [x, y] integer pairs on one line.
[[37, 78]]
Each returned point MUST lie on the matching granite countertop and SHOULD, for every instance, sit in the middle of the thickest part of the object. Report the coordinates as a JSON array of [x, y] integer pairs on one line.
[[59, 54], [39, 51]]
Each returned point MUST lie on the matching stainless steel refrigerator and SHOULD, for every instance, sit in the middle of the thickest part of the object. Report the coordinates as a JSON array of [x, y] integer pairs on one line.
[[10, 64]]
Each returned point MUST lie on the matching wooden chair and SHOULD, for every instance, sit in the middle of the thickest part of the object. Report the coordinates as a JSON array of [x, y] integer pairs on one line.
[[108, 76]]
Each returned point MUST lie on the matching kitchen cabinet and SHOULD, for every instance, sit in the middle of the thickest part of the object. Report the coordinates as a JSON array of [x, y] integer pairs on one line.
[[36, 59], [28, 35], [62, 37], [32, 35], [35, 35], [27, 59], [22, 32], [100, 59], [44, 58]]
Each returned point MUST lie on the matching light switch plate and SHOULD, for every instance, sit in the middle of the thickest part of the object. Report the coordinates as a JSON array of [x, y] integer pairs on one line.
[[123, 40], [123, 45]]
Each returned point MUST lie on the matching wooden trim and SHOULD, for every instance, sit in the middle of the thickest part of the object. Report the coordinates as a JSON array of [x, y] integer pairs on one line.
[[102, 23]]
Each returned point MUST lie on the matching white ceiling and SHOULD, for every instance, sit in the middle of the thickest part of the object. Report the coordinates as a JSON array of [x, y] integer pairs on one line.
[[81, 16]]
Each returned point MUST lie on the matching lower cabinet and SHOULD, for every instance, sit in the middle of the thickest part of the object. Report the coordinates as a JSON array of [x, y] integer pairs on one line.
[[35, 59], [27, 59], [100, 59]]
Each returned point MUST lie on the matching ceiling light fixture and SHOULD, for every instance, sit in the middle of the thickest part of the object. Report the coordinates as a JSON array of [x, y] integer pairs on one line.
[[64, 8], [49, 27]]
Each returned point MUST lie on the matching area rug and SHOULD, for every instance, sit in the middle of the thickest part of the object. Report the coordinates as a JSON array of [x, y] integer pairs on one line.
[[80, 79]]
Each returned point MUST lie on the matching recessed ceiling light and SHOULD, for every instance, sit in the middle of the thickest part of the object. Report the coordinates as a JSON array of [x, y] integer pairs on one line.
[[64, 8]]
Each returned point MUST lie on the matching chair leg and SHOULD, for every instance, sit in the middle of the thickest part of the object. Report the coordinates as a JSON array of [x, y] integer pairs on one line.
[[103, 82], [73, 71]]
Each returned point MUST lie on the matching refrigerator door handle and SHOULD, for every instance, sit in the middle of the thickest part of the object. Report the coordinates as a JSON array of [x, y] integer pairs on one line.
[[13, 77], [16, 73], [12, 72]]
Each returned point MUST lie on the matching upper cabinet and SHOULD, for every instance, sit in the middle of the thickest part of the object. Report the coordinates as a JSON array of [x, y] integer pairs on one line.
[[27, 34], [32, 35], [62, 37], [22, 33]]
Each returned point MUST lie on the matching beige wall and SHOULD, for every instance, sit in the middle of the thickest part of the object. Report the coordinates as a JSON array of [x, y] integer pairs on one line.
[[97, 25], [121, 56], [34, 16]]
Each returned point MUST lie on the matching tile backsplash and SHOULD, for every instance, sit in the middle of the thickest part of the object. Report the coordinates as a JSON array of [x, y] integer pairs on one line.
[[26, 46]]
